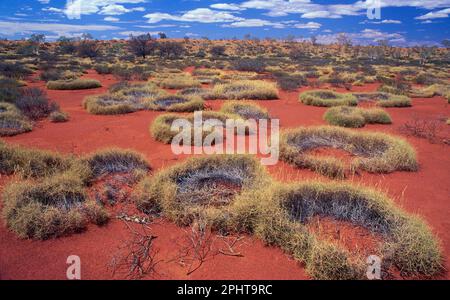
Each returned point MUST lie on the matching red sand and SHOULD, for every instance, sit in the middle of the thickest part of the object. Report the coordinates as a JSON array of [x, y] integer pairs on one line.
[[425, 192]]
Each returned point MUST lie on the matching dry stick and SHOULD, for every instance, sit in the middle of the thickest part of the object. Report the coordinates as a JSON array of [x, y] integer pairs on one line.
[[140, 257], [231, 251]]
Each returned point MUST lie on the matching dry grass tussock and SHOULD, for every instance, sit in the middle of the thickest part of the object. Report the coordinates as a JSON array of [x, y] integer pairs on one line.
[[356, 117], [374, 152], [327, 98]]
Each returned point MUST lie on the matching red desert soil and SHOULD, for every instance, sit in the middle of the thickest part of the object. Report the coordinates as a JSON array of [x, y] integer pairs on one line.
[[425, 192]]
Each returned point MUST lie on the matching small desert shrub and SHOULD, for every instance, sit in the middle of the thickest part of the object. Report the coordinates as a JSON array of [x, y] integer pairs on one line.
[[327, 98], [249, 65], [375, 152], [12, 122], [110, 104], [9, 89], [34, 104], [103, 68], [112, 161], [58, 117], [285, 210], [78, 84], [202, 188], [356, 117], [48, 209], [245, 89], [178, 82], [246, 110], [176, 103], [290, 82], [31, 163]]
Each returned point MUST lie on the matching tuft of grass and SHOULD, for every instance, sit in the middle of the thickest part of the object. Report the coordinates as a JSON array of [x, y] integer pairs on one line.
[[245, 89], [110, 104], [178, 82], [207, 72], [375, 152], [431, 91], [31, 163], [356, 117], [110, 161], [77, 84], [141, 92], [285, 210], [176, 103], [385, 99], [161, 126], [327, 98], [59, 117], [195, 91], [246, 110], [202, 188], [12, 122], [49, 209]]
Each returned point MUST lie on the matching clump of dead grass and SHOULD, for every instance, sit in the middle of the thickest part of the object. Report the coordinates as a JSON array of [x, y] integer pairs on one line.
[[246, 110], [176, 103], [54, 207], [77, 84], [408, 243], [113, 160], [374, 152], [245, 89], [356, 117], [327, 98], [12, 121], [202, 188]]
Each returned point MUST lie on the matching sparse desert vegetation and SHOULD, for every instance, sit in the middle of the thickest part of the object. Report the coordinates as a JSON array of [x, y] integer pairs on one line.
[[337, 196]]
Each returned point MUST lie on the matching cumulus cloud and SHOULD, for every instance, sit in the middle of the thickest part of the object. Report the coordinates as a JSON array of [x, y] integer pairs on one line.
[[76, 8], [444, 13], [201, 15], [227, 6], [12, 28], [309, 25]]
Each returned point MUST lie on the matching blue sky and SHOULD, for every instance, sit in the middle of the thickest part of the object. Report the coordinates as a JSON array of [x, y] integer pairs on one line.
[[403, 22]]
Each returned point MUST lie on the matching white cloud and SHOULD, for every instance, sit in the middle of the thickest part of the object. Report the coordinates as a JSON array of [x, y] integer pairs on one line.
[[309, 25], [44, 1], [308, 9], [12, 28], [111, 19], [227, 6], [444, 13], [76, 8], [254, 23], [115, 10], [201, 15]]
